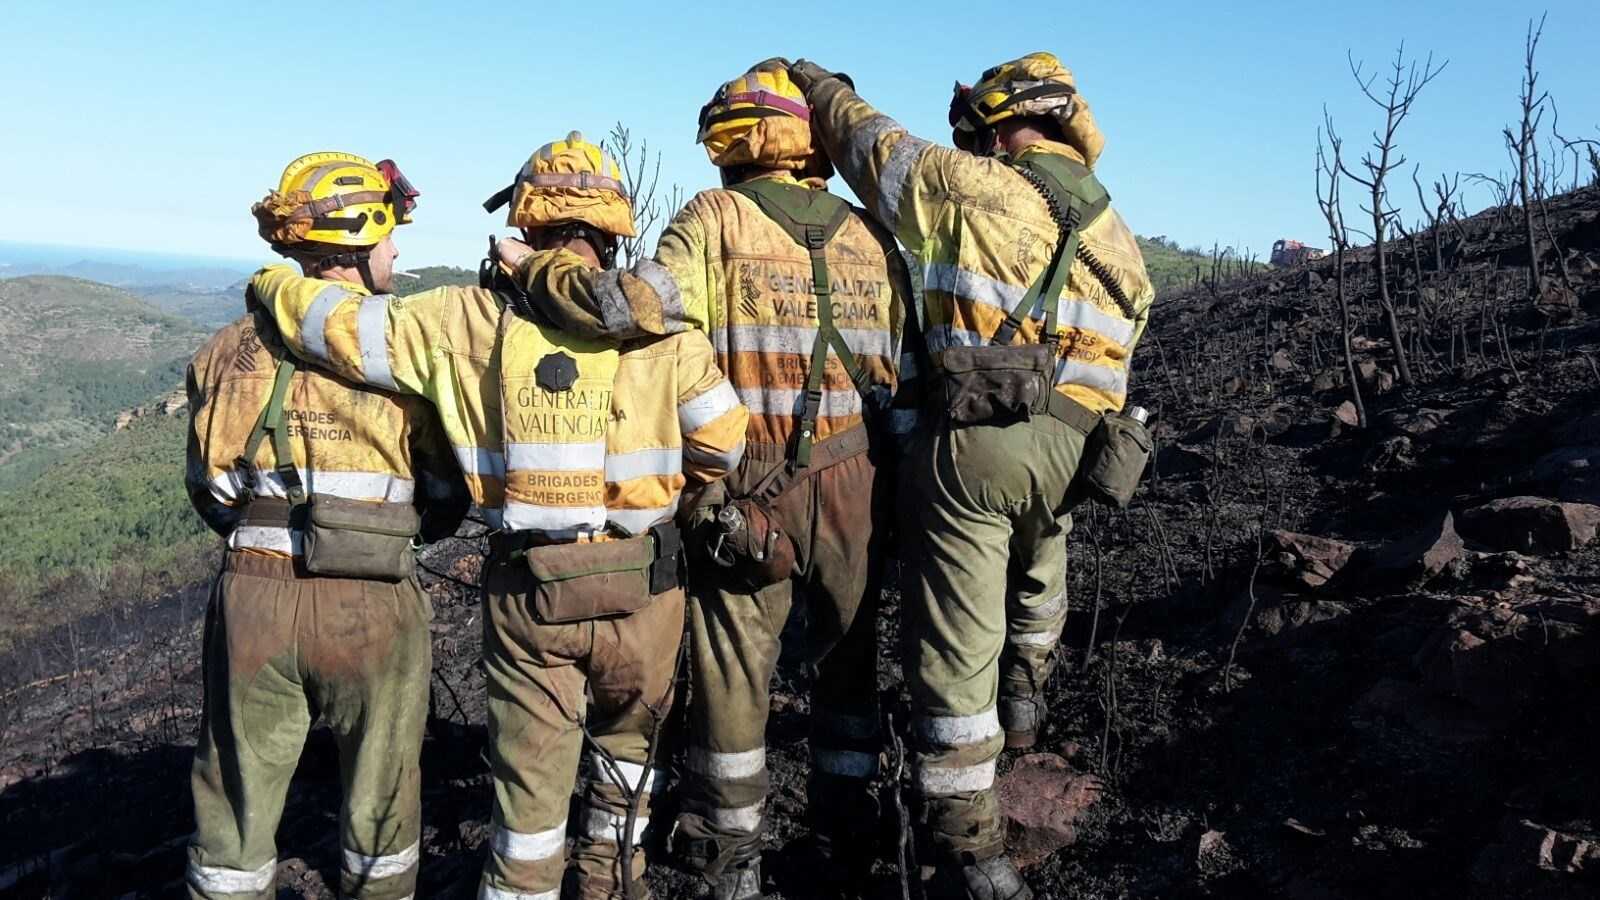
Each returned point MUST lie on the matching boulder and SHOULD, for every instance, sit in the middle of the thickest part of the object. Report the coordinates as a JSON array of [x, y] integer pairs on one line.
[[1417, 557], [1533, 524], [1307, 559], [1550, 862], [1345, 416], [1281, 362], [1042, 798]]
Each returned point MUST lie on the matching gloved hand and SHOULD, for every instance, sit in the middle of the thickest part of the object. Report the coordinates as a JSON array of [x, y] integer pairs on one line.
[[807, 75], [512, 252], [772, 63]]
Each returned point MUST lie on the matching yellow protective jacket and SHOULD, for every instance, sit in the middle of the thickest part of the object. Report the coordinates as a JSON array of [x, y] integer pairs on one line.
[[669, 414], [982, 235], [348, 441], [724, 267]]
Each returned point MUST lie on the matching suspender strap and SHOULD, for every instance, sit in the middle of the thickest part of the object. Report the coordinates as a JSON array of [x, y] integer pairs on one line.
[[1074, 196], [271, 422], [812, 218]]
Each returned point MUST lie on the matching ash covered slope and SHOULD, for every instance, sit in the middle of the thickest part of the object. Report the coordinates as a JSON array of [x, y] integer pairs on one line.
[[1407, 709]]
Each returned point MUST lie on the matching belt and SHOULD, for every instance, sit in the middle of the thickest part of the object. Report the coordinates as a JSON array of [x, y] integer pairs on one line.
[[666, 569], [1070, 411]]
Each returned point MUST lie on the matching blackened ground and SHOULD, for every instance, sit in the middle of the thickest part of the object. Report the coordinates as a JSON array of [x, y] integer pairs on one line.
[[1424, 737]]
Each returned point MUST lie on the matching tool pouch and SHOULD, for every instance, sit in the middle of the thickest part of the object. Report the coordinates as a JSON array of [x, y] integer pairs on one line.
[[359, 539], [578, 582], [997, 385], [1115, 455], [750, 544]]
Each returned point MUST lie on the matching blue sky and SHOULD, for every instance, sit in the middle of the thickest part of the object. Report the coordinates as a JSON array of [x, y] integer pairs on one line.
[[154, 127]]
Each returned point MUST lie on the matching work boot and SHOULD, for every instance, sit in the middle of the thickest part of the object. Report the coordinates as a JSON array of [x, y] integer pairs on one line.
[[992, 879], [1022, 718], [738, 882]]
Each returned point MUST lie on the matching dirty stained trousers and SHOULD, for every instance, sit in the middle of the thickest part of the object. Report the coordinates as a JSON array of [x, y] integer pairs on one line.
[[837, 522], [980, 501], [538, 674], [283, 649]]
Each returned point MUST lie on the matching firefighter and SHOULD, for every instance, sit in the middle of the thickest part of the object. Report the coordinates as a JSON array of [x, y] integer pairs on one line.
[[576, 450], [319, 486], [804, 298], [1034, 296]]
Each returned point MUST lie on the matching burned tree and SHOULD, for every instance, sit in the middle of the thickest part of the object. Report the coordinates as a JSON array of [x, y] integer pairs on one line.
[[1524, 149], [1404, 83], [641, 177], [1329, 163]]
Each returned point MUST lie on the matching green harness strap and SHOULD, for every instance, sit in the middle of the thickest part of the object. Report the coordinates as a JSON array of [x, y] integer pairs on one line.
[[812, 218], [1074, 196], [271, 421]]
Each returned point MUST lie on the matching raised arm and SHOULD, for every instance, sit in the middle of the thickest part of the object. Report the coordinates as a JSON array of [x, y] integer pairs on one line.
[[659, 296]]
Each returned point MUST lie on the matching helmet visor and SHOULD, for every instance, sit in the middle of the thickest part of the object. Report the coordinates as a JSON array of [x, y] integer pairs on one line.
[[402, 196]]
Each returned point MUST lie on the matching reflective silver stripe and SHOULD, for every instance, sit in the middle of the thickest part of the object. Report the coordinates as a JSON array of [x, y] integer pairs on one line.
[[615, 312], [1112, 381], [698, 412], [640, 463], [632, 772], [485, 892], [661, 281], [856, 727], [717, 459], [797, 339], [1081, 313], [863, 142], [556, 457], [847, 763], [314, 328], [382, 866], [482, 462], [1035, 639], [941, 337], [1045, 611], [940, 781], [727, 765], [970, 285], [902, 421], [530, 847], [792, 402], [959, 731], [892, 181], [637, 521], [349, 485], [222, 880], [371, 328], [746, 819], [267, 537], [600, 825], [552, 521]]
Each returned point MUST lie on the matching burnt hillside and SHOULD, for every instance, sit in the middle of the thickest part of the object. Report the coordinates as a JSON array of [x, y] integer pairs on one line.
[[1314, 660]]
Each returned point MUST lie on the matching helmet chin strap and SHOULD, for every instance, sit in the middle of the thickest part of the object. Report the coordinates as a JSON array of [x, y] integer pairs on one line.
[[360, 260]]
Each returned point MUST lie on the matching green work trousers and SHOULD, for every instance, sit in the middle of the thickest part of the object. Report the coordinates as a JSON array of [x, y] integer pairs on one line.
[[281, 649], [984, 552], [613, 674], [734, 635]]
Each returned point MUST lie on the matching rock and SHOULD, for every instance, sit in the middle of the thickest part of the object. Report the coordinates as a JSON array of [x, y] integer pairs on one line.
[[1367, 371], [1557, 466], [1277, 421], [1418, 424], [1418, 557], [1309, 560], [1285, 618], [1214, 856], [1232, 425], [1530, 856], [1532, 524], [1281, 362], [1327, 380], [1413, 706], [1384, 383], [1042, 798], [1346, 416]]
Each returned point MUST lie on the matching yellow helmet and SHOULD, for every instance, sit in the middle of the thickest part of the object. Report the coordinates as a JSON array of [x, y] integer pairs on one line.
[[337, 199], [760, 118], [564, 182], [1034, 85]]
